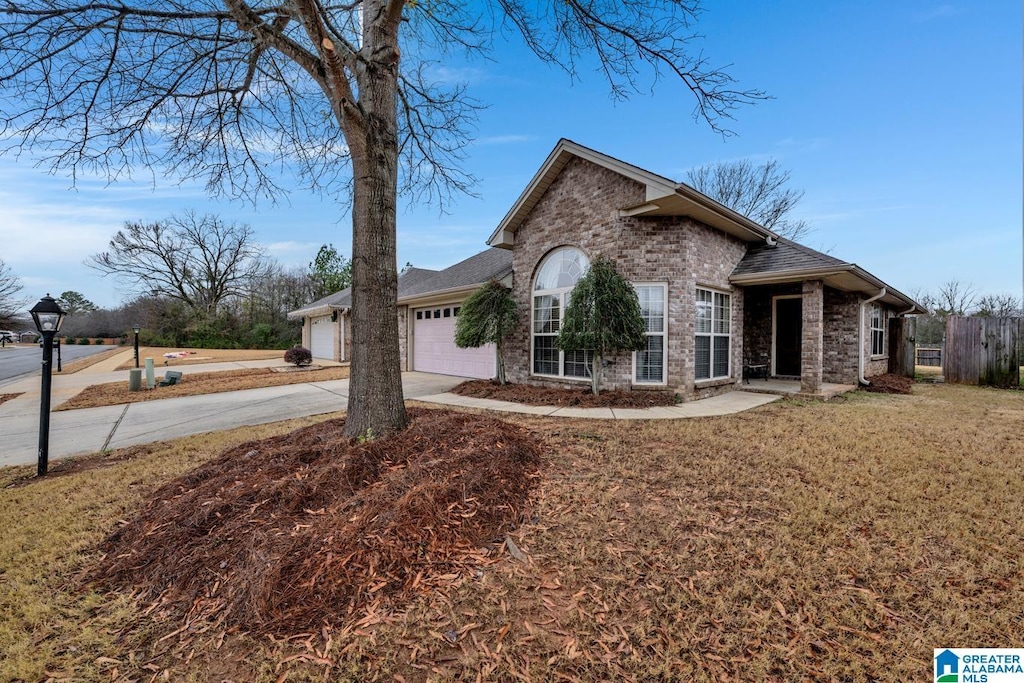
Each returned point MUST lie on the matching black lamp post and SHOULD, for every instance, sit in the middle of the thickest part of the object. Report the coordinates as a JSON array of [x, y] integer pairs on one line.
[[135, 328], [47, 316]]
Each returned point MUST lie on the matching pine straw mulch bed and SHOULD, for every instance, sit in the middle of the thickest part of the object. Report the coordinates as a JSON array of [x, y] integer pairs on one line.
[[565, 398], [312, 530], [199, 383], [890, 384], [7, 397]]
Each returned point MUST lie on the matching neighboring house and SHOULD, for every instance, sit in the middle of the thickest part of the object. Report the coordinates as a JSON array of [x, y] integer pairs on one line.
[[719, 292], [431, 300]]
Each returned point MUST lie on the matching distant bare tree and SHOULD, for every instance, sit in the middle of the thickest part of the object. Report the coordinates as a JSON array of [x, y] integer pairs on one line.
[[999, 306], [11, 300], [198, 260], [232, 91], [758, 192], [956, 298]]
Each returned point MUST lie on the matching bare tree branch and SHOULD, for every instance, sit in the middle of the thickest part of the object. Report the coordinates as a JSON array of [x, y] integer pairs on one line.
[[242, 92], [759, 192], [11, 300], [198, 260]]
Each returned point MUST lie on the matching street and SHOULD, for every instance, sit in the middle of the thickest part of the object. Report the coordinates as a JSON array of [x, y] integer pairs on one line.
[[19, 360]]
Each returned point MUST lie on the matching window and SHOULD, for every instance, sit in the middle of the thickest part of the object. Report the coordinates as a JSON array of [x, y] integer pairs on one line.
[[649, 364], [419, 315], [558, 274], [713, 337], [447, 312], [877, 331]]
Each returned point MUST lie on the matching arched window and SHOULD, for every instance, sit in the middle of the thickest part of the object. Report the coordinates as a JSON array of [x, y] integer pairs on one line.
[[558, 274]]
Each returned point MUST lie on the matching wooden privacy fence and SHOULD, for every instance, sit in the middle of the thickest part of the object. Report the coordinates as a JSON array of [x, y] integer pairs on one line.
[[929, 356], [983, 351]]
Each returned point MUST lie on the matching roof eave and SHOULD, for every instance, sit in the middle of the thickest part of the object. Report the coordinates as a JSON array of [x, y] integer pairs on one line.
[[801, 274], [315, 311]]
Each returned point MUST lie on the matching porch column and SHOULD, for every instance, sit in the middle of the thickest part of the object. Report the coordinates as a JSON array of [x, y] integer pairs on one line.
[[812, 352]]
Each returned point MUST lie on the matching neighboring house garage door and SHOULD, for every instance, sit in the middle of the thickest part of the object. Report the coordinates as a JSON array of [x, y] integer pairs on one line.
[[434, 348], [321, 337]]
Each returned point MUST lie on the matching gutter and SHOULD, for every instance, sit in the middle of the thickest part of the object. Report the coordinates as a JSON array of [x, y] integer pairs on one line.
[[860, 337]]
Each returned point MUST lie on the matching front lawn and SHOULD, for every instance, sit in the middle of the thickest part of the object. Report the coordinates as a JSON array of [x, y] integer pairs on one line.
[[799, 541]]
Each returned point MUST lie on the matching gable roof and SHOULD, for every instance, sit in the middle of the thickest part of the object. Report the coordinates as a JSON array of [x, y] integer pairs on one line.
[[788, 261], [663, 197]]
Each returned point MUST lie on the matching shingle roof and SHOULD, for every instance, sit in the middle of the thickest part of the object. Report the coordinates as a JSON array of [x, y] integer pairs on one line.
[[785, 255], [408, 279], [489, 264]]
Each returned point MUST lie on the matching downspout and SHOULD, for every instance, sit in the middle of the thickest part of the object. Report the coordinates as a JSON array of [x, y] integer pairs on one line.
[[860, 337], [770, 241]]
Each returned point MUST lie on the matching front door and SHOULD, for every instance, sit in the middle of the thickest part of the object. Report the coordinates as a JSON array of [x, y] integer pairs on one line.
[[788, 336]]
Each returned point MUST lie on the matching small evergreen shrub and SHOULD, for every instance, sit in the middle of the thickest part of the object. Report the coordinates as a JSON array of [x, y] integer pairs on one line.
[[82, 341], [298, 356]]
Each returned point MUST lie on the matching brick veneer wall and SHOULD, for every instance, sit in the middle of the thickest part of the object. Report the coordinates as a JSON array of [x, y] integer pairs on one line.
[[838, 331], [840, 336], [812, 336], [403, 337], [580, 209]]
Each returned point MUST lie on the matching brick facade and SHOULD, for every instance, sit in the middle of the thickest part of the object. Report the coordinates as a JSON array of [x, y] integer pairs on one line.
[[838, 328], [580, 209], [812, 334]]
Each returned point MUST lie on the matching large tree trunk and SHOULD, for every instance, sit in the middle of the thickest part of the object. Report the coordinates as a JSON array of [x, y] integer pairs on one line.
[[376, 406]]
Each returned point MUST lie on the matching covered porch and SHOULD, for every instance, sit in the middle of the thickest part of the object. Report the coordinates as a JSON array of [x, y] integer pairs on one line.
[[789, 387]]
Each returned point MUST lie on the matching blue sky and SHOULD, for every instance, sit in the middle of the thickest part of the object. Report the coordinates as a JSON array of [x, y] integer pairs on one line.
[[901, 121]]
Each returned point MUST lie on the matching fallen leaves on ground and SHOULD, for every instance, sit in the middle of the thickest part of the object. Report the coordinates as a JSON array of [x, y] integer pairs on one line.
[[890, 384], [199, 383], [310, 529], [550, 396]]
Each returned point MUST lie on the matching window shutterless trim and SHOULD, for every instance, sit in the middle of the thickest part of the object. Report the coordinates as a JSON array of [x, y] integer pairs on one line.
[[663, 334]]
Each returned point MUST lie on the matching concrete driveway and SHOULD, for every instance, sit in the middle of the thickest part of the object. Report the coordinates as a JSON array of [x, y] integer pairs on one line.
[[87, 430]]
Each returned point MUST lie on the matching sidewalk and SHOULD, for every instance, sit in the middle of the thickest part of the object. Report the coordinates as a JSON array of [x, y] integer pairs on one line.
[[87, 430]]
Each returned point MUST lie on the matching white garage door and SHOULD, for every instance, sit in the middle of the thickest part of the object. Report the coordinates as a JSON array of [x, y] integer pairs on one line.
[[321, 337], [434, 348]]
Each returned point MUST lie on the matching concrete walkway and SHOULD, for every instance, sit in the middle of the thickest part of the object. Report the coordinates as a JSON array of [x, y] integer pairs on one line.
[[87, 430], [724, 404]]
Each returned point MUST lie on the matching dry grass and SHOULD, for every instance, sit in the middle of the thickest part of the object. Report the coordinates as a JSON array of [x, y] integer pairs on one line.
[[195, 384], [83, 363], [800, 541], [200, 356]]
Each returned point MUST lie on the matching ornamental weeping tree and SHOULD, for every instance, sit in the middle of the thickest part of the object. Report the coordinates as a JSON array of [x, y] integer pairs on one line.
[[488, 316], [347, 95], [603, 318]]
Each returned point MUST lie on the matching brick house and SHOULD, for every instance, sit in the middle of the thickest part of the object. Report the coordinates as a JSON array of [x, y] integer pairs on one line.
[[720, 294]]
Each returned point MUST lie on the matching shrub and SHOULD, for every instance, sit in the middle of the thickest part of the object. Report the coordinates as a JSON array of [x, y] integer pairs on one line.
[[298, 356], [82, 341]]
